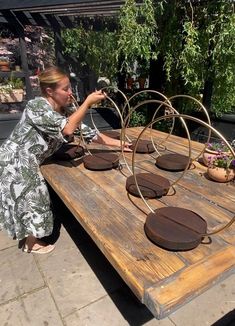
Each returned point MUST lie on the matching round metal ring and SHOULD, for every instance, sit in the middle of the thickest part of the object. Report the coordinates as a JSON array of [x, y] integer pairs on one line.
[[184, 117]]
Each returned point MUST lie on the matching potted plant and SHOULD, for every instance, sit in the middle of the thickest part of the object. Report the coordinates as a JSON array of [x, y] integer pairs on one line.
[[221, 168], [214, 149], [11, 90], [142, 72], [4, 63]]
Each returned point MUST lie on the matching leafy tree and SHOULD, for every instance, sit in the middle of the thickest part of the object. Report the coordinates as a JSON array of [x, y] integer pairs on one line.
[[197, 42], [137, 35], [92, 49]]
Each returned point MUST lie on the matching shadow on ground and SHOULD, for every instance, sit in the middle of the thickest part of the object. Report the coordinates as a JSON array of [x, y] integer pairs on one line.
[[129, 306], [227, 320]]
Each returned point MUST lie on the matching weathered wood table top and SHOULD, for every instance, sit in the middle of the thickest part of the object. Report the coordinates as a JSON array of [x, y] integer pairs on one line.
[[162, 280]]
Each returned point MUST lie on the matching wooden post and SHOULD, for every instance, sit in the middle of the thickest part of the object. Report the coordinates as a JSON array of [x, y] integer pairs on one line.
[[24, 64], [60, 61]]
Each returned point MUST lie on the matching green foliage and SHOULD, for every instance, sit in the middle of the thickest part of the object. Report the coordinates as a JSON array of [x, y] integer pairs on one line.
[[7, 85], [137, 119], [190, 57], [219, 147], [221, 161], [224, 65], [197, 43], [95, 49], [137, 40]]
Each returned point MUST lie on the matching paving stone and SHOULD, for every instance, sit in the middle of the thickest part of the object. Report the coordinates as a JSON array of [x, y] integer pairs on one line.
[[209, 307], [18, 274], [6, 242], [82, 288], [118, 309], [35, 309], [76, 280]]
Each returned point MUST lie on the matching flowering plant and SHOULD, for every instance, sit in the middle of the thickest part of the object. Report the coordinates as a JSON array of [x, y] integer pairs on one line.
[[221, 161], [217, 147], [10, 85], [4, 58]]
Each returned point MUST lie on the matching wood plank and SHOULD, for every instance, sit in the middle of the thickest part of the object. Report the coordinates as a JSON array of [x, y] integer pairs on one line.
[[189, 283], [118, 234], [161, 279], [220, 193], [114, 183]]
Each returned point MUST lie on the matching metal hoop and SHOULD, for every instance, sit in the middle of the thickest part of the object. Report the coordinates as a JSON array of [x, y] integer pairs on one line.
[[123, 132], [134, 153], [169, 105], [123, 95], [122, 140], [183, 116], [116, 107], [138, 93], [82, 140], [204, 110]]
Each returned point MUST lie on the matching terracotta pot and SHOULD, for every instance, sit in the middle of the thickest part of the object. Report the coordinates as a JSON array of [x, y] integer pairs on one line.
[[141, 81], [4, 66], [208, 155], [129, 82], [220, 174]]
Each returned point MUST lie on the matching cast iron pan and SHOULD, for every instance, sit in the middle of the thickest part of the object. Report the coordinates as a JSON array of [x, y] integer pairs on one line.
[[151, 185], [172, 162], [101, 161], [143, 147], [68, 152], [175, 228]]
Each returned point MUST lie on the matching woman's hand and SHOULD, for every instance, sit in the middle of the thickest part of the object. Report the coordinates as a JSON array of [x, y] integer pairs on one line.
[[76, 117], [106, 140], [126, 147], [95, 98]]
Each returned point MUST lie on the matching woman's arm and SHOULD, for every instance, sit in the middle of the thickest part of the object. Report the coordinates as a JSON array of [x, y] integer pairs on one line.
[[106, 140], [76, 117]]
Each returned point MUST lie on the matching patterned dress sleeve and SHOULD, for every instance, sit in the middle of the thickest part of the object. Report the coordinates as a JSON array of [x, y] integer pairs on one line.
[[41, 115], [89, 134]]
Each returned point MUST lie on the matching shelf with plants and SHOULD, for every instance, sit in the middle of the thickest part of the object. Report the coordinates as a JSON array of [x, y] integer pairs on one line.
[[11, 88]]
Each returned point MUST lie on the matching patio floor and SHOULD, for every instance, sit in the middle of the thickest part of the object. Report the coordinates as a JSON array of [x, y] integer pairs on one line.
[[76, 286]]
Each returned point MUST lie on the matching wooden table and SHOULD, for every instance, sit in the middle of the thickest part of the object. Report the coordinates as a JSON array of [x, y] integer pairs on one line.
[[162, 280]]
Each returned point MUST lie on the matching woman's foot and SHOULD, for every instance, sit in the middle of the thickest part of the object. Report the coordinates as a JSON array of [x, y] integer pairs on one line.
[[35, 245]]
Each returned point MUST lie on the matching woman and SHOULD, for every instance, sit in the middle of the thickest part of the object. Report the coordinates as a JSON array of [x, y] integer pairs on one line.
[[25, 207]]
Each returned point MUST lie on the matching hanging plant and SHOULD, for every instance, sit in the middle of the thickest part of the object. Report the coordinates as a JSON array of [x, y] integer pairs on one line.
[[137, 40], [91, 48], [190, 58], [224, 66], [197, 43]]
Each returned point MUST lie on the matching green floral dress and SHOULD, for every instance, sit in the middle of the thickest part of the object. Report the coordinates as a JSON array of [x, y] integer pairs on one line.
[[25, 206]]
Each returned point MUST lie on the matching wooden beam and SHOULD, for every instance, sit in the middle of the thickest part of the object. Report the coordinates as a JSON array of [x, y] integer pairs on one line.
[[67, 21], [40, 21], [22, 18]]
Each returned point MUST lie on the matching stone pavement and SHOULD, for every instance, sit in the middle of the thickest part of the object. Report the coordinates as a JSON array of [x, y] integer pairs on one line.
[[76, 286]]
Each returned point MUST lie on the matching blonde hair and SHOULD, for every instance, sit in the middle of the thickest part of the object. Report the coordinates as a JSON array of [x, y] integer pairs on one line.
[[50, 77]]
